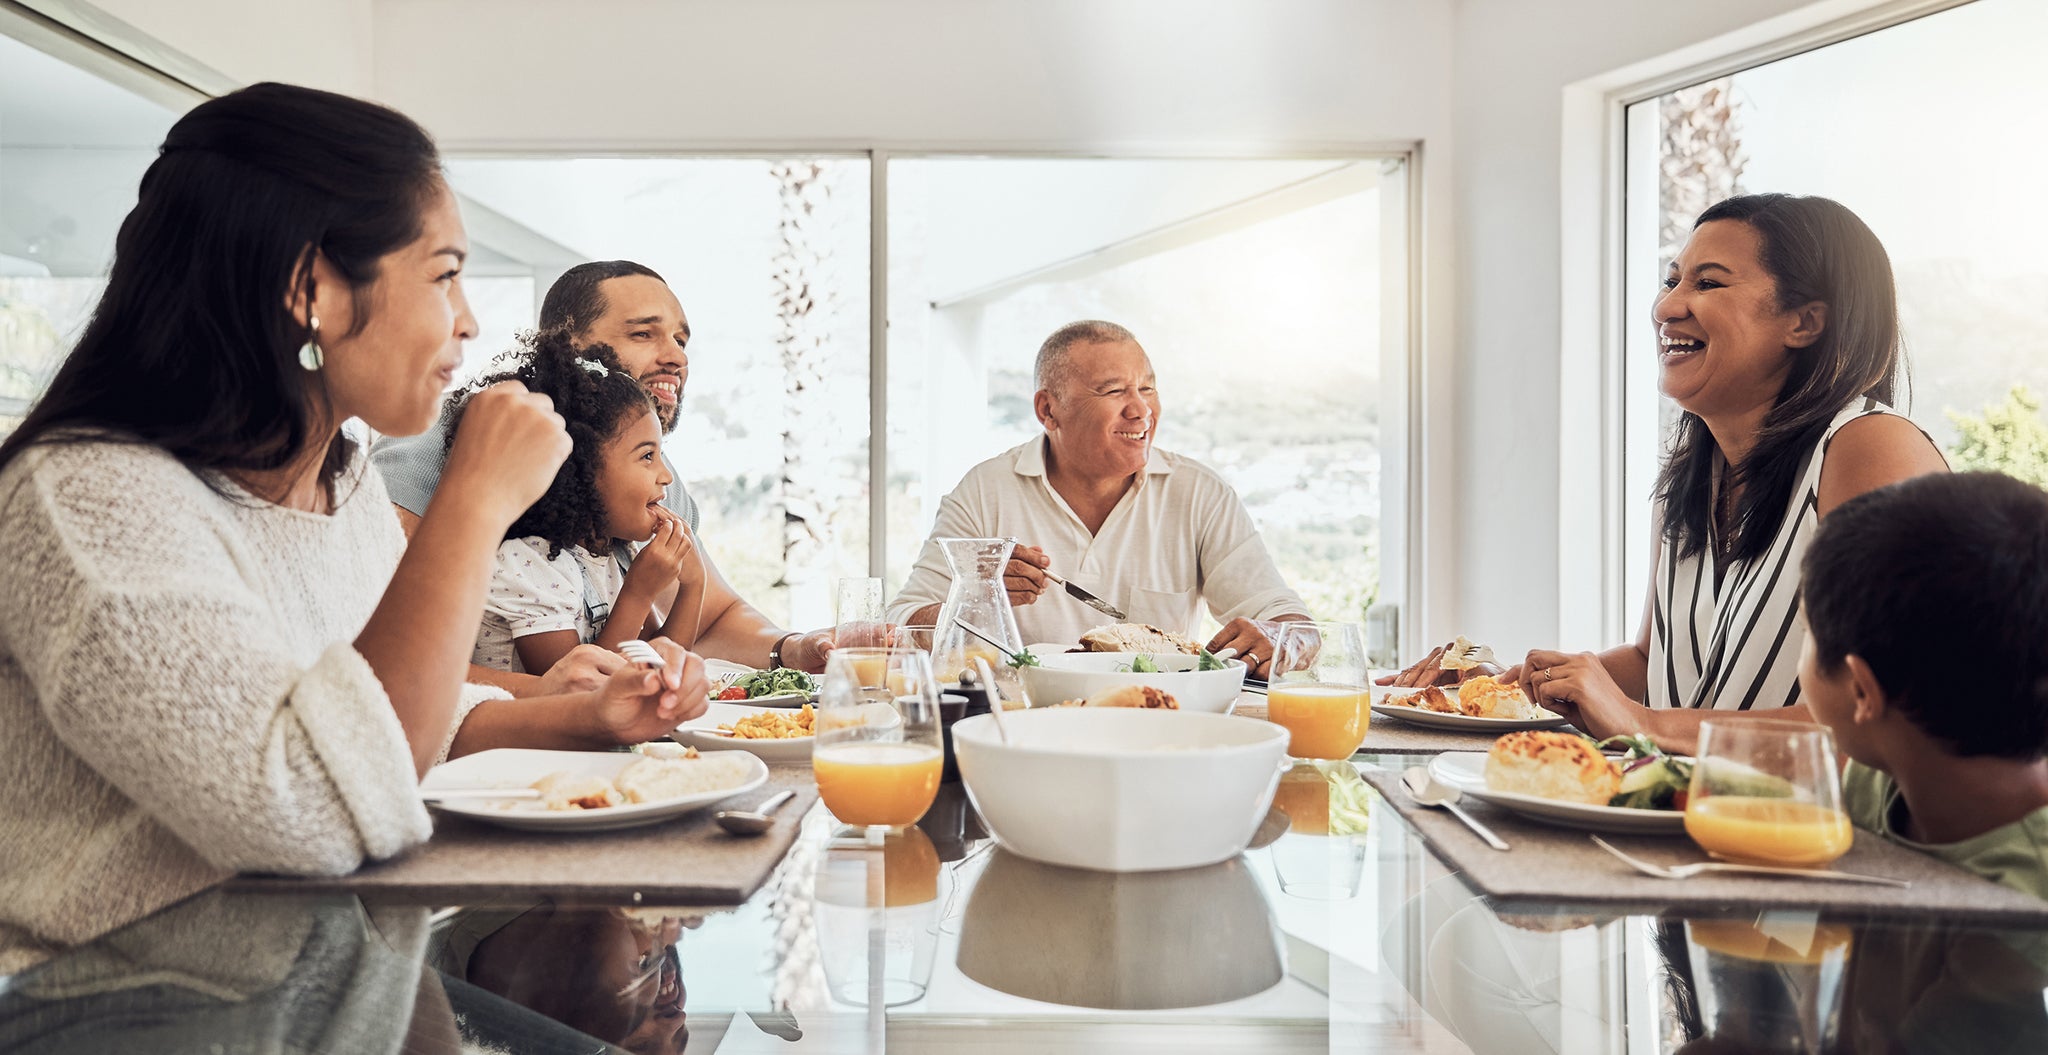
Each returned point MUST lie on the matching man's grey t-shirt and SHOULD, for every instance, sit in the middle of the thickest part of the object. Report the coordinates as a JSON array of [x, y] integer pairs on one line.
[[412, 466]]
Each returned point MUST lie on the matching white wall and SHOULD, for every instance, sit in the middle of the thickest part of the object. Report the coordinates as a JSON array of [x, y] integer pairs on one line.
[[320, 43]]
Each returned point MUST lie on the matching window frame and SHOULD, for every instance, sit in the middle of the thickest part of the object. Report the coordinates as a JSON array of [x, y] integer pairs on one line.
[[1593, 609]]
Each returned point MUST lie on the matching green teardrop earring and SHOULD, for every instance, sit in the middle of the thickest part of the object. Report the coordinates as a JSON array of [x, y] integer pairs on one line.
[[309, 352]]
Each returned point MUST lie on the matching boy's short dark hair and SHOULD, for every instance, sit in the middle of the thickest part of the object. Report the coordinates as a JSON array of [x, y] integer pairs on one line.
[[1940, 583]]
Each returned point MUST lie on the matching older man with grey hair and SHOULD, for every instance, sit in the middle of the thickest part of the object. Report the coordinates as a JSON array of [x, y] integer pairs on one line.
[[1154, 533]]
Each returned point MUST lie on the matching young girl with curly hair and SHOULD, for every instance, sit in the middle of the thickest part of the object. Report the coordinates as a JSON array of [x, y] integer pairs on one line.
[[567, 573]]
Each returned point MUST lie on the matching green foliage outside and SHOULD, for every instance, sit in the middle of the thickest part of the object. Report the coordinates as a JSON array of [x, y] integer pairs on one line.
[[2010, 437]]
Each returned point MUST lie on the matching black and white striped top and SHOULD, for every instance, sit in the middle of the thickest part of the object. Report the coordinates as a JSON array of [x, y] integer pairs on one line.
[[1736, 646]]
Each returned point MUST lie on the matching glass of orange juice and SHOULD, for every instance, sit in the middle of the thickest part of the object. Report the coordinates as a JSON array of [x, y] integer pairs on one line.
[[876, 754], [1767, 792], [1316, 688]]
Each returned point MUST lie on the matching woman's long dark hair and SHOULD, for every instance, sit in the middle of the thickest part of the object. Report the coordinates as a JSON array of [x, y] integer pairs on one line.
[[596, 398], [1814, 249], [193, 347]]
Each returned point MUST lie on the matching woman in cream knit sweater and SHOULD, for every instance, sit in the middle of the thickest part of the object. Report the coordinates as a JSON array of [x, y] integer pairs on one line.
[[206, 665]]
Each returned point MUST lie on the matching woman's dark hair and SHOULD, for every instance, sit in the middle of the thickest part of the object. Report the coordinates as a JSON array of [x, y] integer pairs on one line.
[[1912, 576], [577, 298], [595, 397], [193, 347], [1814, 250]]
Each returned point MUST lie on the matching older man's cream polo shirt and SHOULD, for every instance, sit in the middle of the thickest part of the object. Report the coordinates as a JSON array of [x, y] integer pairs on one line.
[[1178, 537]]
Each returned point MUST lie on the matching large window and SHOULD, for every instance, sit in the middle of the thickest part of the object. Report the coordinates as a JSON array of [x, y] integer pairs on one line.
[[1270, 293], [1926, 131], [72, 148], [1256, 287], [769, 257]]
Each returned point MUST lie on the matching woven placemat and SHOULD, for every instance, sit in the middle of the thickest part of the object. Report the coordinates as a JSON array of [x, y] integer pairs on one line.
[[1391, 736], [1561, 866], [686, 861]]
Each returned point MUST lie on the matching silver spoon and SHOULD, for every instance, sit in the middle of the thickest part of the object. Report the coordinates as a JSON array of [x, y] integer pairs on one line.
[[1429, 791], [995, 697], [754, 821]]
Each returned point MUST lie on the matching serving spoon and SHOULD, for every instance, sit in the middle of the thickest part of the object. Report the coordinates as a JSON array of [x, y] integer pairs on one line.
[[755, 821]]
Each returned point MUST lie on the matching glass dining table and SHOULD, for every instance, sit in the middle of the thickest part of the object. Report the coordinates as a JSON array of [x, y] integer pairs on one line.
[[1338, 931]]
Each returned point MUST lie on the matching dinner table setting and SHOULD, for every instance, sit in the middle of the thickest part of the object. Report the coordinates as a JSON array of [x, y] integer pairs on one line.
[[953, 840]]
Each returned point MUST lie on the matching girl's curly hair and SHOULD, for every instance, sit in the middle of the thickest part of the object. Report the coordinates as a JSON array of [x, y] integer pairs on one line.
[[595, 397]]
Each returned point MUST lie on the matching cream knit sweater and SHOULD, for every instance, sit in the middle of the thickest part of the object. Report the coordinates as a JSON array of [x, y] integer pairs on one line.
[[179, 698]]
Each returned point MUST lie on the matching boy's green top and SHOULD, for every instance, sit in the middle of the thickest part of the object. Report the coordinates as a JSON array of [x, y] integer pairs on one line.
[[2015, 854]]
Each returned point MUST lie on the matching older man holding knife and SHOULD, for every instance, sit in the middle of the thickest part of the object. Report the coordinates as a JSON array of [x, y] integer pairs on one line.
[[1101, 513]]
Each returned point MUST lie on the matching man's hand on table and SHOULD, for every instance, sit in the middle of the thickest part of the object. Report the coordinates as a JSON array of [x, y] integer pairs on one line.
[[1252, 638], [1024, 577]]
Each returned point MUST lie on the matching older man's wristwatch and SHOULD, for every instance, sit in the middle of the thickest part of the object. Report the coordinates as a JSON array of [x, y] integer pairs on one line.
[[775, 654]]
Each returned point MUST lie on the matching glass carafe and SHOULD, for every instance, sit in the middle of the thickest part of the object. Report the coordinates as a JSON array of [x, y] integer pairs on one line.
[[978, 599]]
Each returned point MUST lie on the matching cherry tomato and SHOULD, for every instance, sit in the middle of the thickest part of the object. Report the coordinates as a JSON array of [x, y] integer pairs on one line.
[[732, 692]]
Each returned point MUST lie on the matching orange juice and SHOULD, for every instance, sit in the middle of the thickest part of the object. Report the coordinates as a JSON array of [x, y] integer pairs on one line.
[[1304, 796], [870, 669], [1747, 941], [1327, 721], [1768, 831], [910, 868], [877, 783]]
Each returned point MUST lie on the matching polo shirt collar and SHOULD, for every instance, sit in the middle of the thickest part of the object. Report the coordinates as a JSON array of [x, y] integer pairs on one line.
[[1031, 459]]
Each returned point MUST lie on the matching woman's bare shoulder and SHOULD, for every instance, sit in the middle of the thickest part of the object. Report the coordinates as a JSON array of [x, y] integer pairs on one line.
[[1871, 452]]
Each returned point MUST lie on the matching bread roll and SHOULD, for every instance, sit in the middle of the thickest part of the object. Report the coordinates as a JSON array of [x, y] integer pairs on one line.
[[1487, 697], [1552, 765]]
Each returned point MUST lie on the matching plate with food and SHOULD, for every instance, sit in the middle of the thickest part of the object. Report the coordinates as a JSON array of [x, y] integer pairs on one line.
[[1481, 703], [781, 687], [773, 735], [593, 791], [1569, 780]]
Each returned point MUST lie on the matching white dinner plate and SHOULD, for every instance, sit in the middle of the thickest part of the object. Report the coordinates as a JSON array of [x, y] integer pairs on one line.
[[702, 732], [505, 768], [1466, 771], [1466, 723]]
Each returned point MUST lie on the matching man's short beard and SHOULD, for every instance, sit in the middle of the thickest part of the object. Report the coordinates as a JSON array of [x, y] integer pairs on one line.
[[669, 417]]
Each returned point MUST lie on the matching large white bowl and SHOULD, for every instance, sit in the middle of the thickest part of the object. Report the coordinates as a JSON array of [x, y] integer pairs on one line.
[[1121, 790], [1078, 675]]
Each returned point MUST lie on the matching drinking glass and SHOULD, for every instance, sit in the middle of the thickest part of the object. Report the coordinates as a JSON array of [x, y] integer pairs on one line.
[[876, 906], [1767, 792], [1321, 857], [876, 753], [1316, 688], [857, 613]]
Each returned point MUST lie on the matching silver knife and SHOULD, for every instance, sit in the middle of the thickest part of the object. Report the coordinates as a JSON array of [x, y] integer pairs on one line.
[[1088, 599]]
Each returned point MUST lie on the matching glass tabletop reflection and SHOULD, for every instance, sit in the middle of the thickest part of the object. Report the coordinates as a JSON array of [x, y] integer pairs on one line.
[[1337, 931]]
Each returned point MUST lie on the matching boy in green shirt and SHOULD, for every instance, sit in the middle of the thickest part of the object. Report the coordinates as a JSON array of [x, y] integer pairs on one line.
[[1926, 654]]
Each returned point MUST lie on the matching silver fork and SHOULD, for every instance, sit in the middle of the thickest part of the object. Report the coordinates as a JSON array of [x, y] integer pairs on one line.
[[638, 651], [1688, 871]]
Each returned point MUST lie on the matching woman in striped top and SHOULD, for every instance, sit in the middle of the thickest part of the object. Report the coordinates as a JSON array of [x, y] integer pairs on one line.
[[1778, 337]]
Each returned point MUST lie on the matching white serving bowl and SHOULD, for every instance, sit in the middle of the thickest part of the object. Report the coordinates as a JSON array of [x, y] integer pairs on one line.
[[1078, 675], [1121, 790]]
